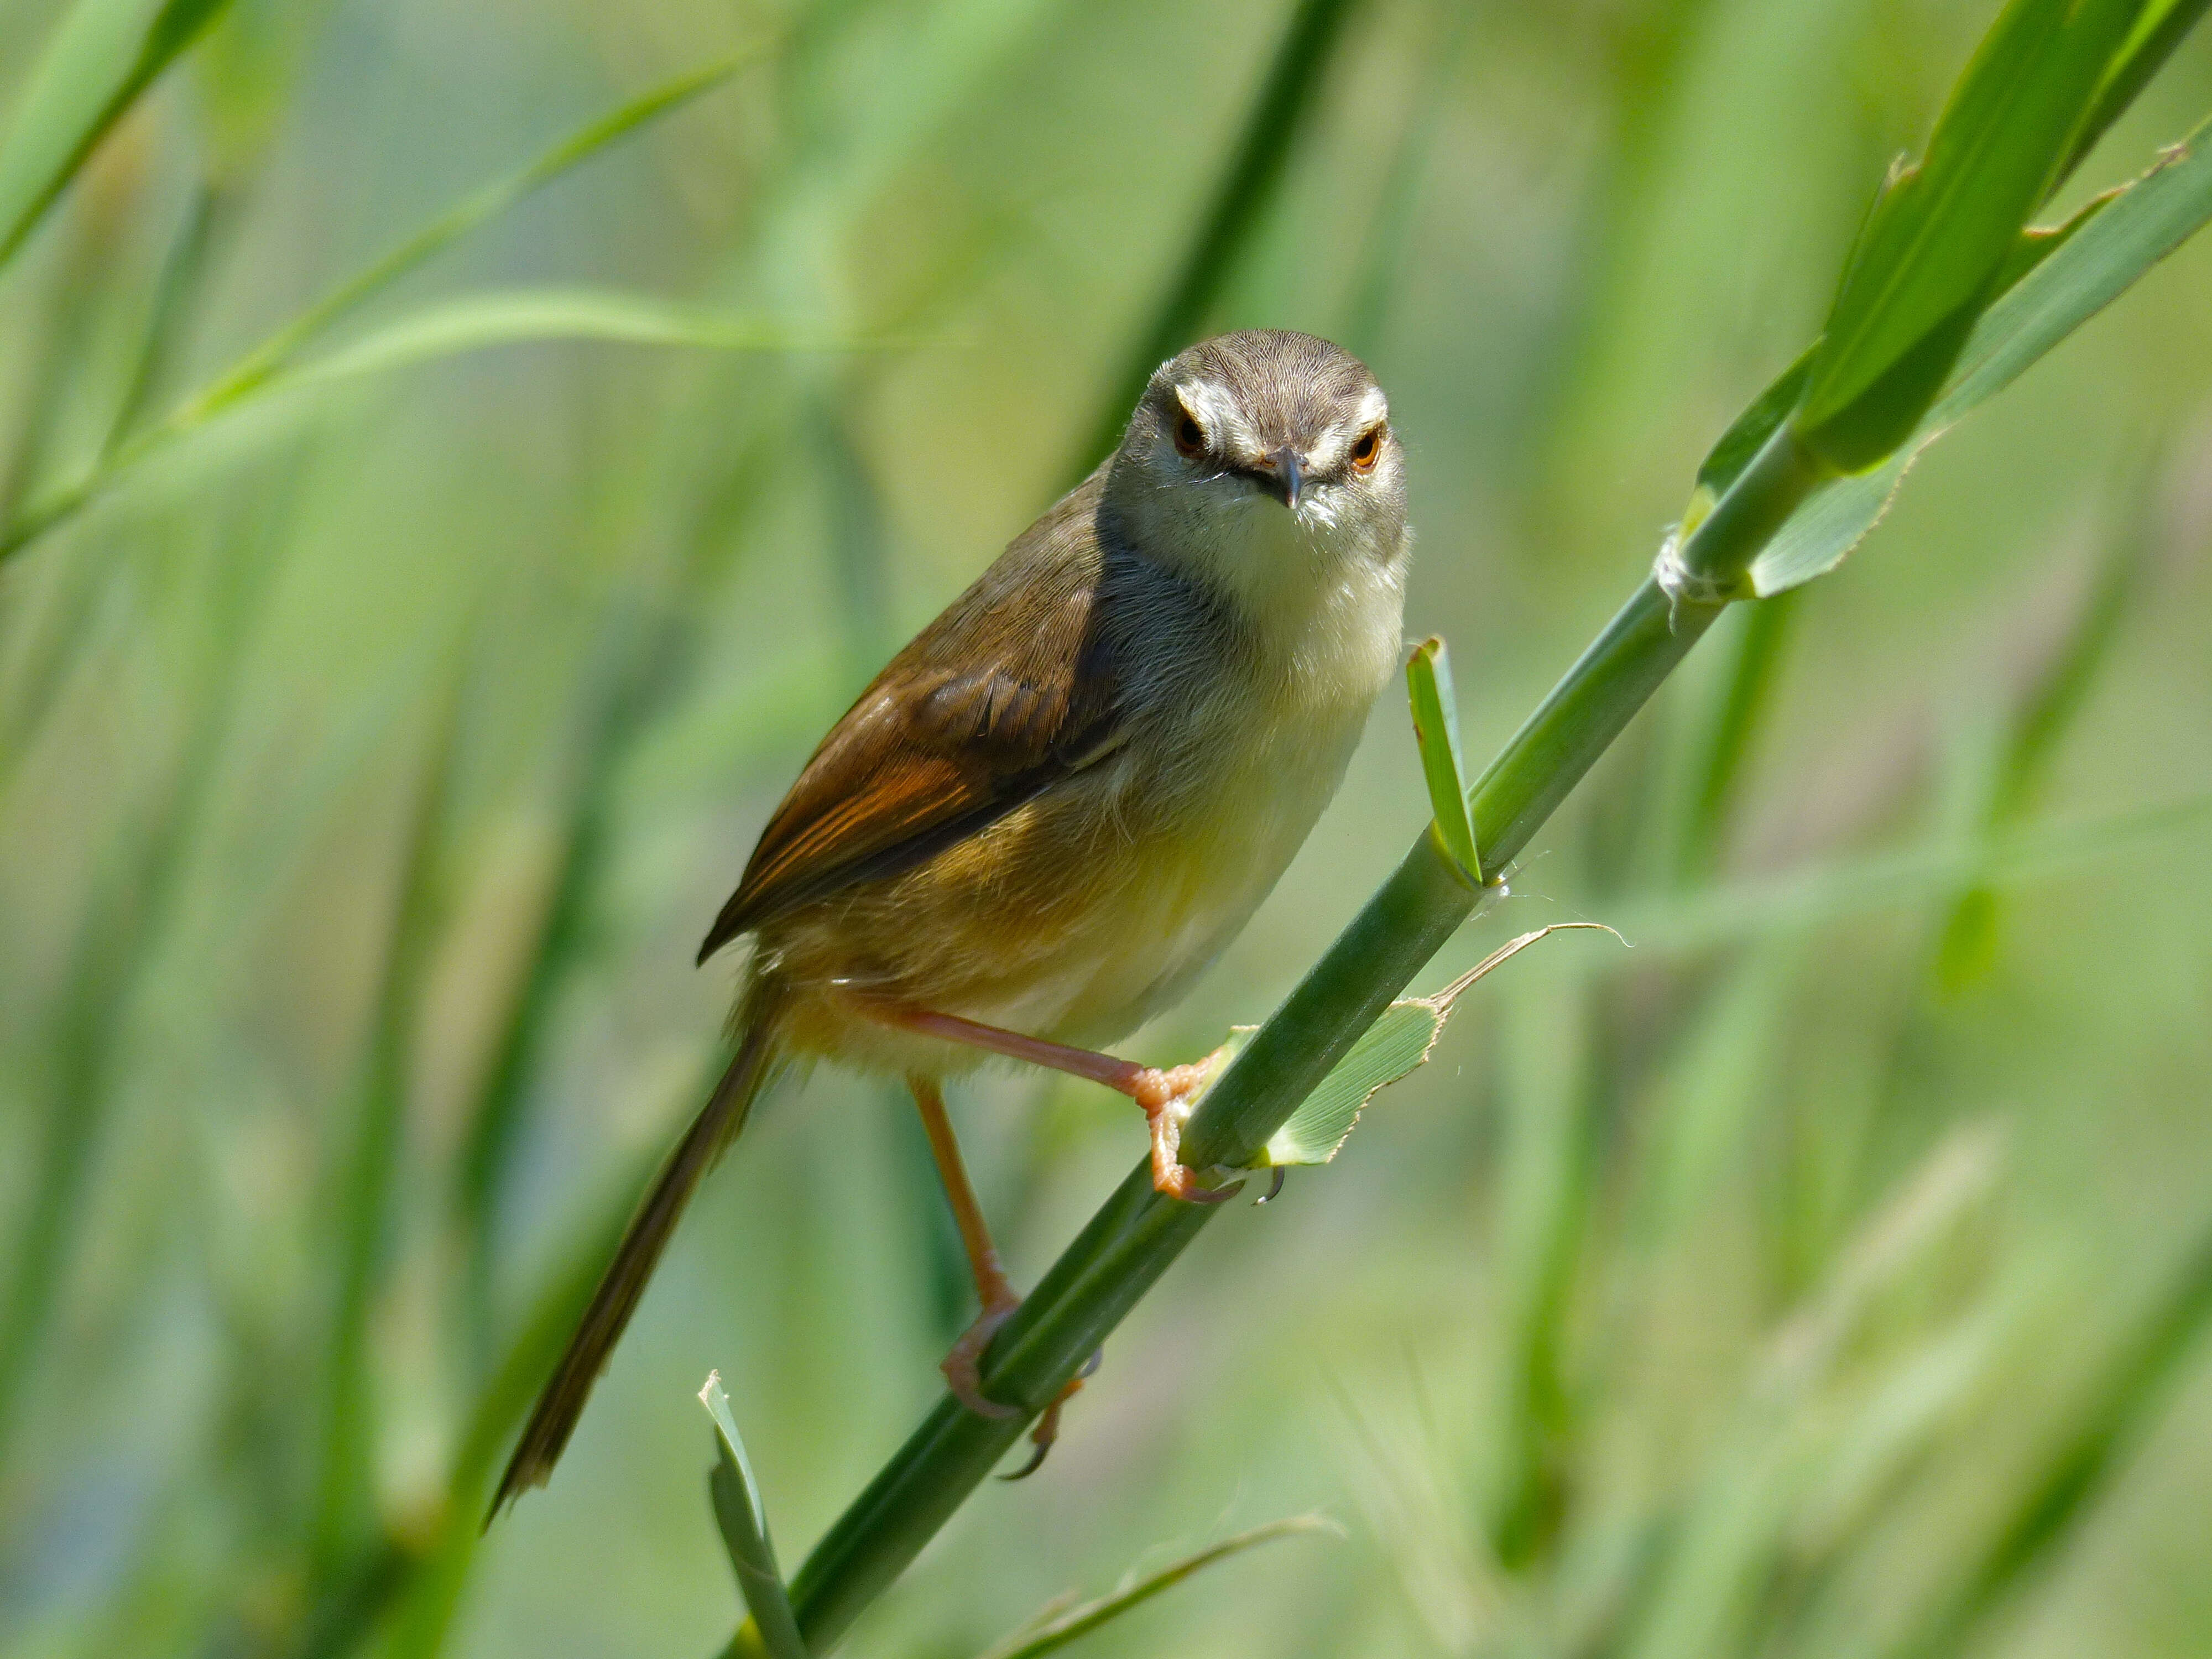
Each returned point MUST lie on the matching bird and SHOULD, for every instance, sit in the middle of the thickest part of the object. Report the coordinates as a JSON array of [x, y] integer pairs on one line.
[[1055, 807]]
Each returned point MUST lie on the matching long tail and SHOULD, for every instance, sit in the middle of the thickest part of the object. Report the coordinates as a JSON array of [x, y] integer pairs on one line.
[[624, 1283]]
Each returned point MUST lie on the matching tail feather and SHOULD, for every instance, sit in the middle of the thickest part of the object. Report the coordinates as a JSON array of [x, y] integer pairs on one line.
[[717, 1125]]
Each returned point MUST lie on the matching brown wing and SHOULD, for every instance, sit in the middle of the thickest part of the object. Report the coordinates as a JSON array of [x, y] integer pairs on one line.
[[1010, 690]]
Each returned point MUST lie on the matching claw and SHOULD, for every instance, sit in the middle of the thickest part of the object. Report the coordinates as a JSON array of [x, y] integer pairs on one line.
[[963, 1365], [1042, 1441], [1274, 1188], [1181, 1183], [1167, 1097], [1047, 1429]]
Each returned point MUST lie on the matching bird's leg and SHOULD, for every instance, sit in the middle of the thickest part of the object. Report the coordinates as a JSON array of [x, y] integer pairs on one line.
[[963, 1365], [1166, 1095], [994, 1289]]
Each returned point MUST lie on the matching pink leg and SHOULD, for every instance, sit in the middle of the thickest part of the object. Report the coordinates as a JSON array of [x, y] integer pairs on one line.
[[1165, 1096], [963, 1365]]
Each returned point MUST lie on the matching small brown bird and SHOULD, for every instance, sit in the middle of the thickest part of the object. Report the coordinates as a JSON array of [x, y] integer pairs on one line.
[[1061, 802]]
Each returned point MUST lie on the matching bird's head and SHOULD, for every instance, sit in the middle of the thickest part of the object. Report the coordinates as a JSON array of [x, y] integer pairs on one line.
[[1262, 462]]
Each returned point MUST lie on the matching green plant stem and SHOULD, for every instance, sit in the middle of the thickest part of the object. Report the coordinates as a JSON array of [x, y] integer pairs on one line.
[[1126, 1247], [1129, 1243], [343, 1511]]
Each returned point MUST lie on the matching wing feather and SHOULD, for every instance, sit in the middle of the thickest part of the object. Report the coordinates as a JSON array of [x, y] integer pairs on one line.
[[1009, 691]]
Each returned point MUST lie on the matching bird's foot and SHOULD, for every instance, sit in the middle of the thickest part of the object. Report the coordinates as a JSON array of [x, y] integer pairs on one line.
[[1168, 1098], [1048, 1426], [963, 1374], [963, 1366]]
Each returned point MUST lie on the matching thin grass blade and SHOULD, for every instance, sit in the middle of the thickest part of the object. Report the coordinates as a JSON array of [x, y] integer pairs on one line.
[[184, 272], [129, 919], [1394, 1047], [1397, 216], [743, 1520], [1436, 727], [1732, 912], [1238, 207], [2158, 29], [263, 361], [364, 1192], [478, 322], [2140, 1380], [100, 57], [266, 363], [2044, 710], [1747, 698], [1059, 1629], [427, 1591]]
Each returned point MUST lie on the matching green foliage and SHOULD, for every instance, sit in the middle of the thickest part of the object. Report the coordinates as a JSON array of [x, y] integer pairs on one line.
[[258, 366], [1238, 208], [1391, 1049], [510, 317]]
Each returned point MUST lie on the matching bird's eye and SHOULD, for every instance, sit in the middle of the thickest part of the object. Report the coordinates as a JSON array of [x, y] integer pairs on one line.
[[1368, 450], [1189, 436]]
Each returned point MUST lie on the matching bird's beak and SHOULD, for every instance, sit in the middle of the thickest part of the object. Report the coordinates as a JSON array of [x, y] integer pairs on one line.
[[1286, 476]]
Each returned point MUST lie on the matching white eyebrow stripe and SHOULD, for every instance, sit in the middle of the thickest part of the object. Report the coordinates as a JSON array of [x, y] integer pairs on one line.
[[1329, 450], [1227, 428], [1342, 435]]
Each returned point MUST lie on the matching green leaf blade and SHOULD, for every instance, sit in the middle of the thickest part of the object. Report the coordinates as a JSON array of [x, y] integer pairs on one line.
[[2067, 277], [283, 346], [1941, 231], [742, 1519], [101, 56], [478, 322], [2161, 27], [1059, 1629], [276, 358], [1398, 1044], [1394, 1046], [1436, 727]]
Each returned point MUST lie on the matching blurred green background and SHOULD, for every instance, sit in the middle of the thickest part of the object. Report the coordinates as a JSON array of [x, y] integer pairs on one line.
[[1826, 1275]]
